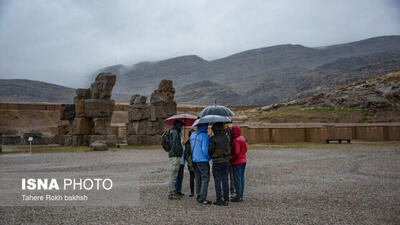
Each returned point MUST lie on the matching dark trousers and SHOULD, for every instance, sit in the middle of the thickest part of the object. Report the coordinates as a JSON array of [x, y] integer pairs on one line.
[[220, 172], [202, 177], [179, 179], [231, 180], [238, 173], [191, 173]]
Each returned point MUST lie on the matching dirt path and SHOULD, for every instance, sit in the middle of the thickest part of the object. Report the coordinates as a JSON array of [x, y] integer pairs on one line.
[[330, 184]]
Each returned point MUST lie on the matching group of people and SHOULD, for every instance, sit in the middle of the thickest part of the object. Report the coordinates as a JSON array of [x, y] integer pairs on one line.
[[227, 150]]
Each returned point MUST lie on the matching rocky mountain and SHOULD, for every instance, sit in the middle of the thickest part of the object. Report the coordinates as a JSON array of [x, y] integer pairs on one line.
[[19, 90], [207, 93], [258, 76]]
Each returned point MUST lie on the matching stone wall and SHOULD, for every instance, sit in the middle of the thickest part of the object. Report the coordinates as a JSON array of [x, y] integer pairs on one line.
[[146, 121], [89, 119], [367, 132]]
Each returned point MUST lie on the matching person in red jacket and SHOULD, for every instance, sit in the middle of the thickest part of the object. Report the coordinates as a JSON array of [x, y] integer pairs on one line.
[[238, 162]]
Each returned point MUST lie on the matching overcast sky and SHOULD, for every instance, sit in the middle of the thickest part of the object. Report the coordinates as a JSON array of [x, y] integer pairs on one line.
[[62, 41]]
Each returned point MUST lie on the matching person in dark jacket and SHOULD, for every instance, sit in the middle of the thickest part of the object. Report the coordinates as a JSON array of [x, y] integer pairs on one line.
[[231, 180], [174, 154], [219, 150], [238, 162], [199, 141], [188, 158]]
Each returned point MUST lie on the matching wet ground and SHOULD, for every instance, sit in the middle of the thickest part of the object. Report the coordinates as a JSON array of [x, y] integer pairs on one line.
[[327, 184]]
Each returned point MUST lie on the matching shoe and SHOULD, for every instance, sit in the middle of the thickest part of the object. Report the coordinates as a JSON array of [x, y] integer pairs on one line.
[[236, 199], [219, 203], [173, 197], [205, 202], [191, 195], [179, 194], [225, 203]]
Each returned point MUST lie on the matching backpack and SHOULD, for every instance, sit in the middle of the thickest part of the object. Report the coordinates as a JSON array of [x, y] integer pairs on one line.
[[165, 141]]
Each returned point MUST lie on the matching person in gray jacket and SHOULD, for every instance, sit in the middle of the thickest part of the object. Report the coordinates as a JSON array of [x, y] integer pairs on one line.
[[174, 154]]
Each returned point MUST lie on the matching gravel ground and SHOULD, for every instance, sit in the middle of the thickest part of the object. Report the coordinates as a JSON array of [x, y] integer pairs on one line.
[[327, 184]]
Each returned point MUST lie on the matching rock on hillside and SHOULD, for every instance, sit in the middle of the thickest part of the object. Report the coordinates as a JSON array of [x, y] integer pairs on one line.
[[382, 92]]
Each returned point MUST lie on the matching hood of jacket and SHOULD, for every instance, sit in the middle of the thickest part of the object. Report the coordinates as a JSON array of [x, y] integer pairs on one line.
[[202, 127], [236, 132]]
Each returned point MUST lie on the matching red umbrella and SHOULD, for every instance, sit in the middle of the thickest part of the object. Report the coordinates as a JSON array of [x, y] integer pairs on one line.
[[186, 119]]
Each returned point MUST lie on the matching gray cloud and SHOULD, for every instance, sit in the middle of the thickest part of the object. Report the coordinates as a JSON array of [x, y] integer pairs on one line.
[[62, 41]]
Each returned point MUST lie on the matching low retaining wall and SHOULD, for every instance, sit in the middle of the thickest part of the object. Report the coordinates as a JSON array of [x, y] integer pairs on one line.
[[369, 132]]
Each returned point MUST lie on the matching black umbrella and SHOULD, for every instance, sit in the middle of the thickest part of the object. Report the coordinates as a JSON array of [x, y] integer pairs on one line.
[[212, 119], [218, 110]]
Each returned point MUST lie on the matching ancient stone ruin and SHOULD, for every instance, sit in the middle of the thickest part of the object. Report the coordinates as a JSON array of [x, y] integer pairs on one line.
[[146, 121], [88, 120]]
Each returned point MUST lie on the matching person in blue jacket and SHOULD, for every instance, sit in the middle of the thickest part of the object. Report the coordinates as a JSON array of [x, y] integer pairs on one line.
[[199, 144]]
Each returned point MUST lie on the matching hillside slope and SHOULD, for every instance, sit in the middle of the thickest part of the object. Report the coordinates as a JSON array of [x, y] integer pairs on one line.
[[19, 90]]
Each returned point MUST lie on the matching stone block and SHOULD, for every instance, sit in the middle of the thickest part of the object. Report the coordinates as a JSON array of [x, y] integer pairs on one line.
[[140, 99], [102, 87], [136, 114], [288, 135], [67, 112], [156, 112], [101, 126], [99, 108], [82, 93], [166, 85], [79, 107], [64, 129], [132, 99], [64, 139], [79, 140], [136, 128], [144, 139], [82, 126]]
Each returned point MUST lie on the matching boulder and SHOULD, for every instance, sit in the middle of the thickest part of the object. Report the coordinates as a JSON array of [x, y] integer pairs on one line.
[[110, 140], [99, 108], [99, 146], [67, 112], [102, 86]]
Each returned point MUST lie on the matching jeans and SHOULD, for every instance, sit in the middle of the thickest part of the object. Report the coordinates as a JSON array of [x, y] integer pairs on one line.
[[179, 179], [238, 173], [220, 172], [202, 177], [174, 163], [231, 180]]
